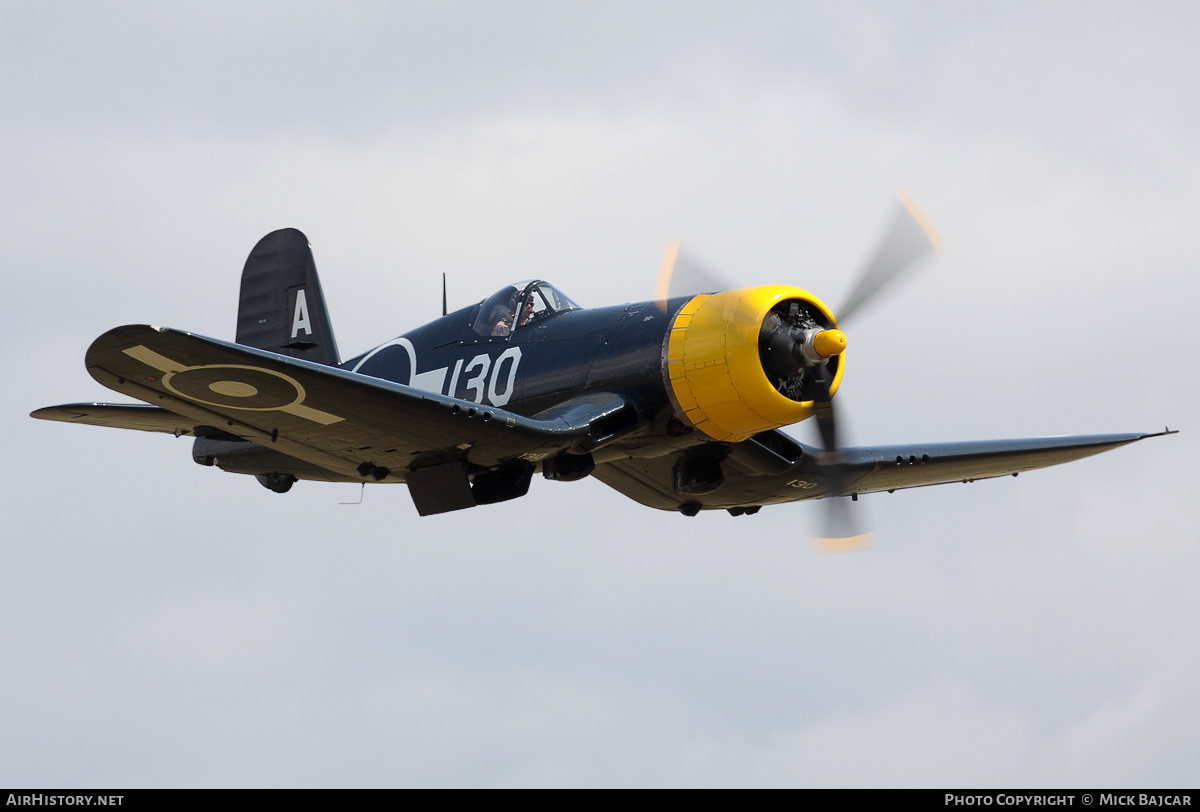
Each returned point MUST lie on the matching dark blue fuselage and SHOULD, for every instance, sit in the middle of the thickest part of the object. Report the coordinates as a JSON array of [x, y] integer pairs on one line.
[[616, 349]]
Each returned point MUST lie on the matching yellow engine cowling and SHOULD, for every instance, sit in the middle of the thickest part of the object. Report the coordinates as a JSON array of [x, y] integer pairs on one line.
[[714, 372]]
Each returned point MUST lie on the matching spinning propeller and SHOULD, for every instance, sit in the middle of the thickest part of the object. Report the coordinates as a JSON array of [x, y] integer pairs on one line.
[[797, 351]]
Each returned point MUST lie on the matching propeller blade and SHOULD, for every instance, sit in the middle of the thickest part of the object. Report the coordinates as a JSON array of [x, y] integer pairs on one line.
[[910, 237], [823, 403], [841, 532], [681, 274]]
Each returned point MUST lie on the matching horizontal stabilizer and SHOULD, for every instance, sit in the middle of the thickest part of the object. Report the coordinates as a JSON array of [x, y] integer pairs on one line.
[[129, 416]]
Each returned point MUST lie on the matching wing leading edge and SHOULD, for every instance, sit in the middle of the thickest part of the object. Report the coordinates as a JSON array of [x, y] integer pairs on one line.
[[887, 468]]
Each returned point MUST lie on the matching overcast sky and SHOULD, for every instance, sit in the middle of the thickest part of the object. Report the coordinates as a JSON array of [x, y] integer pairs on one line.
[[165, 624]]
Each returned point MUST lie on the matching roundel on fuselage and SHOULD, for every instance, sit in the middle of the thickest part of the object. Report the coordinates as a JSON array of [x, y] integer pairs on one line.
[[392, 361]]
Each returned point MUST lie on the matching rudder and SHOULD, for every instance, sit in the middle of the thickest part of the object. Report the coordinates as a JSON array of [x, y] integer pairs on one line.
[[281, 308]]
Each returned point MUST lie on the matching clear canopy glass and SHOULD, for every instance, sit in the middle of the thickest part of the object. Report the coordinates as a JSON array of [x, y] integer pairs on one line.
[[516, 306]]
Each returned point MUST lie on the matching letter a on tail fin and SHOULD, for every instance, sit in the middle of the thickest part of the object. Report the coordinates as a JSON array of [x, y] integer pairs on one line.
[[282, 308]]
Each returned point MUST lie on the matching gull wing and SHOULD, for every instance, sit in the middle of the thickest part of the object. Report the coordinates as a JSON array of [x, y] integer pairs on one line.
[[335, 419], [772, 468]]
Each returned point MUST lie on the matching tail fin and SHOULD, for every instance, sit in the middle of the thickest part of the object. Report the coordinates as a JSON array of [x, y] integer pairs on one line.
[[281, 307]]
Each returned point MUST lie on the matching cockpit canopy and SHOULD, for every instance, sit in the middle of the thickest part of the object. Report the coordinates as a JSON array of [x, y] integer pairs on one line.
[[516, 306]]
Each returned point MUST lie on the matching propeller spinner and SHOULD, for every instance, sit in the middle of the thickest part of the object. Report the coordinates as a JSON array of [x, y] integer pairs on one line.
[[797, 351]]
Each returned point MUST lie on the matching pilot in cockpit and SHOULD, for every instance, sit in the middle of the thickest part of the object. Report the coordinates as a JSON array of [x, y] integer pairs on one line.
[[527, 312], [499, 315], [502, 316], [535, 309]]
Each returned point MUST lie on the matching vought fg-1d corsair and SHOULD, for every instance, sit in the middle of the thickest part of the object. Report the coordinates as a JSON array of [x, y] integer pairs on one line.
[[676, 403]]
